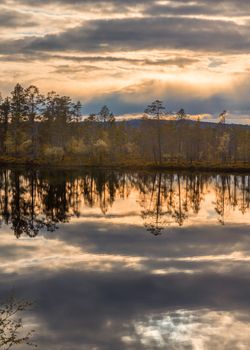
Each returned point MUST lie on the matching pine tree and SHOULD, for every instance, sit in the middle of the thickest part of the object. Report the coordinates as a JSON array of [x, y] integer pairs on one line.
[[157, 110], [18, 108]]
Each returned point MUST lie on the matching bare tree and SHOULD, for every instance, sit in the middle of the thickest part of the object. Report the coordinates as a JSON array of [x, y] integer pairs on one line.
[[11, 324]]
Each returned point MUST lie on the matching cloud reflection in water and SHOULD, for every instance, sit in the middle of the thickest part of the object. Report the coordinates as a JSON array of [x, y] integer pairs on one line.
[[101, 281]]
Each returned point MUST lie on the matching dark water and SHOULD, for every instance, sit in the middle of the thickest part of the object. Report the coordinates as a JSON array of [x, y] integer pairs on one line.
[[135, 260]]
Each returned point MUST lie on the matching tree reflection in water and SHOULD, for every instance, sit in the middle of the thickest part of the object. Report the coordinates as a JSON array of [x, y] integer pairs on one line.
[[31, 200]]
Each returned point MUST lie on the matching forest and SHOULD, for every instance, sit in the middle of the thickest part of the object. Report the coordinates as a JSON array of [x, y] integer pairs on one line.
[[51, 130]]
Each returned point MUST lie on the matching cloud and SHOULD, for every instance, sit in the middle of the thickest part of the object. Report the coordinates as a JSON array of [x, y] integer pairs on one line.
[[147, 33], [178, 61], [10, 19], [101, 284], [118, 3], [177, 47], [175, 61], [141, 34], [135, 98], [76, 308], [152, 8], [193, 97], [207, 8]]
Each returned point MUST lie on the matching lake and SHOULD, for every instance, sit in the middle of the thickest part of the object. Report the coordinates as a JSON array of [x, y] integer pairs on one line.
[[128, 260]]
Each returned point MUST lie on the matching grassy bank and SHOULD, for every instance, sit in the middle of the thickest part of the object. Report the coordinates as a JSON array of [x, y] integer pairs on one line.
[[69, 162]]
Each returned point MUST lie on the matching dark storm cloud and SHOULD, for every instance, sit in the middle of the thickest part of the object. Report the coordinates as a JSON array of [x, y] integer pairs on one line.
[[10, 19]]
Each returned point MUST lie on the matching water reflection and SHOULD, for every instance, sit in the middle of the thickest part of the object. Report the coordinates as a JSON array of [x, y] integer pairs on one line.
[[31, 200], [101, 281]]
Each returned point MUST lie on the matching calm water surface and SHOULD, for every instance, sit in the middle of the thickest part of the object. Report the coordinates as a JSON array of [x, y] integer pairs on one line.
[[134, 260]]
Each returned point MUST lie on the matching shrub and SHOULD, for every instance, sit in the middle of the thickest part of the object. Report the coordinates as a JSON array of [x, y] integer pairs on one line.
[[53, 153], [75, 146]]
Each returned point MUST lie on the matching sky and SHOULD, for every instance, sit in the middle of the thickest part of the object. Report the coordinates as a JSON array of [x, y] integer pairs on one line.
[[123, 53]]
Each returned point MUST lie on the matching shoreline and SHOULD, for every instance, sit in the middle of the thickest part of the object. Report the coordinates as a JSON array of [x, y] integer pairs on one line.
[[183, 167]]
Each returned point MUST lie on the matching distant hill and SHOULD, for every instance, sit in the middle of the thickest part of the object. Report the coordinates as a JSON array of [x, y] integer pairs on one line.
[[138, 122]]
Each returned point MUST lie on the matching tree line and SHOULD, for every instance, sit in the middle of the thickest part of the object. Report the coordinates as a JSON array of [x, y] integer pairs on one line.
[[51, 129]]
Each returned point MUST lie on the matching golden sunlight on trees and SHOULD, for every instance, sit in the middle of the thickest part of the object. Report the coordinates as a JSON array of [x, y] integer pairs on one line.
[[51, 130]]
